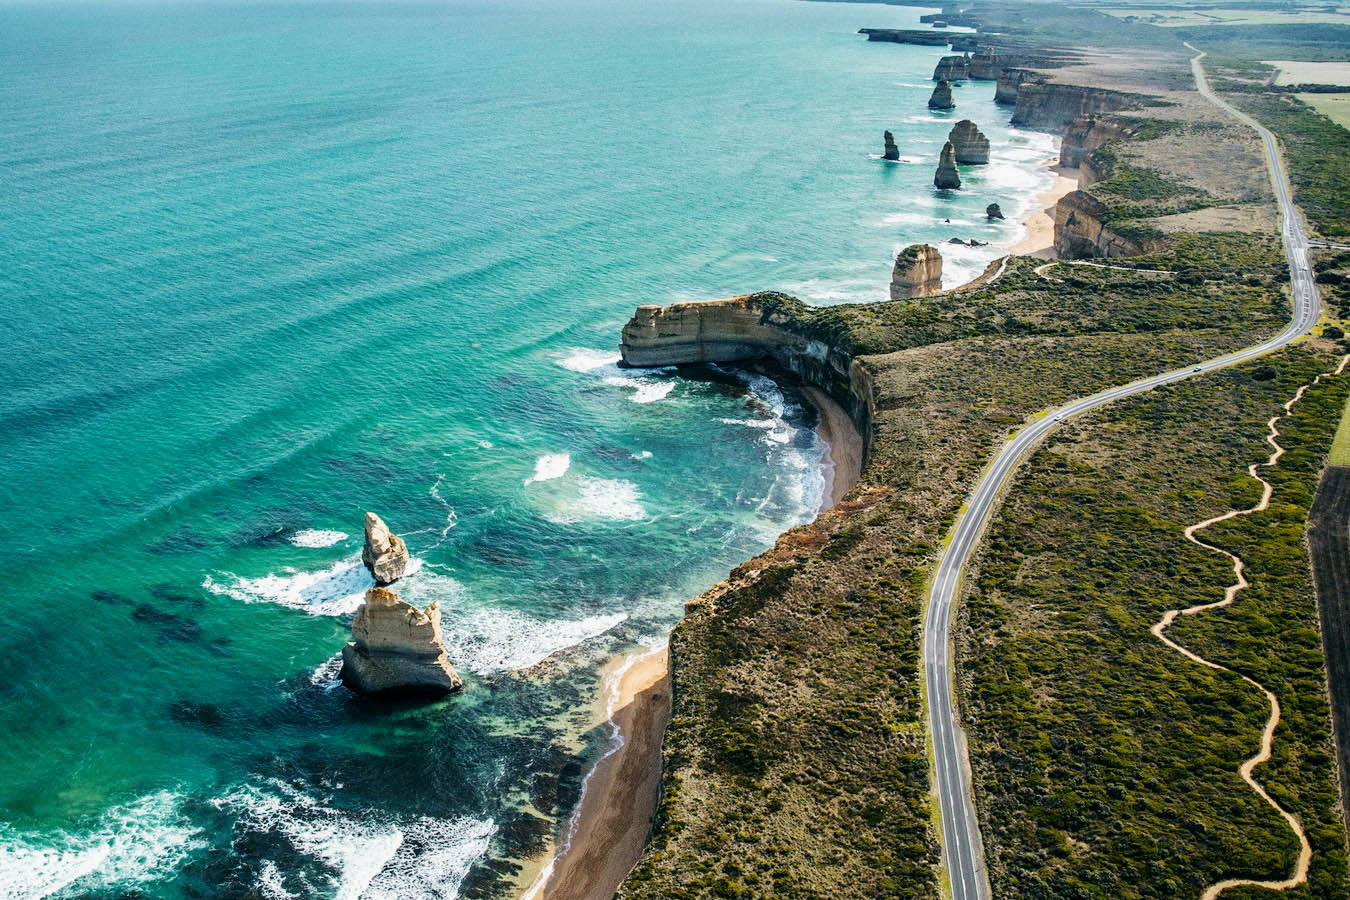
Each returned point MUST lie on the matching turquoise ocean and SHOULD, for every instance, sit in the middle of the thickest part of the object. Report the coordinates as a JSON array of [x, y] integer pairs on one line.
[[265, 267]]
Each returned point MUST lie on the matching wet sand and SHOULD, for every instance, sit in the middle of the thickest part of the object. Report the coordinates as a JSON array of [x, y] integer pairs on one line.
[[846, 447], [610, 827], [1040, 224]]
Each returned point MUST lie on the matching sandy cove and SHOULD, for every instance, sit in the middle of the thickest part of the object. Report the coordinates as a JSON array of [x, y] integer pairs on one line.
[[1040, 224], [609, 829]]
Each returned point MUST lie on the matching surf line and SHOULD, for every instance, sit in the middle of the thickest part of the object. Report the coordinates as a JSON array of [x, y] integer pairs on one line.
[[1300, 873]]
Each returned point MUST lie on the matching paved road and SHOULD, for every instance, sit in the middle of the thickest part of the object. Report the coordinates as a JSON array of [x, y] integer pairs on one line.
[[962, 850]]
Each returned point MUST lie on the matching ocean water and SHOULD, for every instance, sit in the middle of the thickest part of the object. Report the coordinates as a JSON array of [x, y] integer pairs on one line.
[[265, 267]]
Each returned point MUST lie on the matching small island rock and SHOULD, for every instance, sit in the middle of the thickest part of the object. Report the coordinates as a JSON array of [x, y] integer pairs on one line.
[[917, 273], [397, 648], [892, 151], [385, 554], [942, 96], [972, 147], [947, 178], [993, 212]]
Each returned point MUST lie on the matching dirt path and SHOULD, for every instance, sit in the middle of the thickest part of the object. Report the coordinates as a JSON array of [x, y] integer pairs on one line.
[[1300, 873], [1041, 270]]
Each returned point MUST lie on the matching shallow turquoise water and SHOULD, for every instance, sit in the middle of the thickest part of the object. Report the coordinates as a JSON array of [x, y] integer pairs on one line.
[[267, 267]]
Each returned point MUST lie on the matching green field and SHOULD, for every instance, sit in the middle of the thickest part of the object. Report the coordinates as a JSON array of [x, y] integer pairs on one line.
[[1293, 71], [1335, 107], [1173, 18], [1340, 445]]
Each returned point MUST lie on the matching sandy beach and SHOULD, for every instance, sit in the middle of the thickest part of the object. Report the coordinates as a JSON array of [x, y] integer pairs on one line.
[[846, 447], [609, 829], [1040, 224]]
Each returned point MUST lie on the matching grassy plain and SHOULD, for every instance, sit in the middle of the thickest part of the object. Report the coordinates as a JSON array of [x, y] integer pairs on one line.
[[1335, 107], [1293, 71]]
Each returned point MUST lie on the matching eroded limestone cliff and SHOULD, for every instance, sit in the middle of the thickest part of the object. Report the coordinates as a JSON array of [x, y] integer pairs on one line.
[[969, 144], [946, 177], [384, 554], [397, 648], [952, 68], [1054, 106], [917, 272], [1081, 230]]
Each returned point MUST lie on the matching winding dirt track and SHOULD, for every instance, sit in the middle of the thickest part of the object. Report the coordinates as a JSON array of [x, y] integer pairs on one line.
[[1300, 874], [1041, 270]]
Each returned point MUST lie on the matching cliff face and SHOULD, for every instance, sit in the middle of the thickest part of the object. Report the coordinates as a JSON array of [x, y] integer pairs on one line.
[[1009, 81], [1081, 232], [1087, 133], [942, 96], [745, 329], [947, 177], [905, 36], [1054, 106], [917, 273]]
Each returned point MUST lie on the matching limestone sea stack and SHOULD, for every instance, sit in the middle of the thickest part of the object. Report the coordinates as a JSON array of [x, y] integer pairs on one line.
[[385, 554], [947, 178], [993, 212], [917, 273], [892, 151], [952, 68], [396, 648], [972, 147], [942, 96]]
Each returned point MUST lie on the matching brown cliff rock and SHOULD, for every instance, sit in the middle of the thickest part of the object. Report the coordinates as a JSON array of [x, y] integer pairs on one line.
[[917, 273], [947, 178], [891, 151], [1081, 231], [952, 68], [385, 554], [942, 96], [970, 145], [397, 648]]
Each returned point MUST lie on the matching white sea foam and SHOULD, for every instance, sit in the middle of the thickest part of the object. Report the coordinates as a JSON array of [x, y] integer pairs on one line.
[[642, 454], [591, 498], [606, 365], [644, 391], [486, 641], [550, 466], [139, 843], [582, 360], [334, 591], [415, 858], [316, 538]]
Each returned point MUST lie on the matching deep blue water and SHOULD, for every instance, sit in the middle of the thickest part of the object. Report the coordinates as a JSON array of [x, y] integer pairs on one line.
[[266, 267]]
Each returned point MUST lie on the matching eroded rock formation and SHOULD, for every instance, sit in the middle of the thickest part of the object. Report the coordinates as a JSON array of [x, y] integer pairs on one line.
[[970, 144], [947, 178], [942, 96], [917, 273], [993, 212], [891, 151], [397, 648], [1081, 230], [1010, 81], [952, 68], [385, 554], [1054, 106], [905, 36]]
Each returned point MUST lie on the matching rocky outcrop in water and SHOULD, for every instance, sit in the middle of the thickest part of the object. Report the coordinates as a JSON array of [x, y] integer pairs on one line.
[[385, 554], [947, 178], [993, 212], [397, 648], [905, 36], [917, 273], [942, 96], [952, 68], [970, 145], [891, 151]]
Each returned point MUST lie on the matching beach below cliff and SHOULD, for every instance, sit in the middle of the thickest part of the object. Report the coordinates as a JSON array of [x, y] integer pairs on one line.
[[844, 460], [1040, 222]]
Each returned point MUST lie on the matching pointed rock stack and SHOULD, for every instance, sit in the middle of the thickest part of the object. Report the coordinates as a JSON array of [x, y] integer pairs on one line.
[[971, 146], [993, 212], [917, 273], [396, 648], [942, 96], [947, 178], [892, 151]]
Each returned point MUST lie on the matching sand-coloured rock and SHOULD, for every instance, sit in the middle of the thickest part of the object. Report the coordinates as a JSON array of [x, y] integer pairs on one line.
[[891, 151], [952, 68], [397, 648], [917, 273], [385, 554], [1081, 232], [969, 143], [947, 178], [993, 212], [1054, 106], [942, 96]]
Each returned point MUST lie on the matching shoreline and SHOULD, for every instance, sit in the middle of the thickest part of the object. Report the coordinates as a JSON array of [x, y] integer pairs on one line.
[[844, 456], [1040, 222], [608, 829]]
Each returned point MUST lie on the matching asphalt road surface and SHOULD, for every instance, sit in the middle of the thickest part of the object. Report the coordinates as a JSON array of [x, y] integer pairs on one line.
[[962, 850]]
